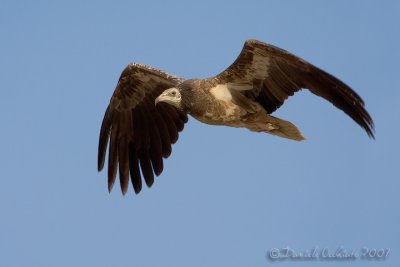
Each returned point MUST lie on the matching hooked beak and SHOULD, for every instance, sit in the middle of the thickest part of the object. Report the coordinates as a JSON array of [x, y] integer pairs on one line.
[[166, 98], [160, 98]]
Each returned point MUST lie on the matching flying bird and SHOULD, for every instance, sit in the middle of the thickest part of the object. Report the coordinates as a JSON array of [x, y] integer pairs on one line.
[[149, 107]]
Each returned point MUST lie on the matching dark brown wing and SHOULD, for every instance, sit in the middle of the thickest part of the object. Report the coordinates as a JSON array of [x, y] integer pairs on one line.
[[276, 74], [140, 134]]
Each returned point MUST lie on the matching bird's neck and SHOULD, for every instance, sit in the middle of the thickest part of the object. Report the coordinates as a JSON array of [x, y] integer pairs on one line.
[[191, 102]]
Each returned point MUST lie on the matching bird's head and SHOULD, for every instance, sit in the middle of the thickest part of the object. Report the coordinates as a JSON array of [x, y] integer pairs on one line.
[[171, 96]]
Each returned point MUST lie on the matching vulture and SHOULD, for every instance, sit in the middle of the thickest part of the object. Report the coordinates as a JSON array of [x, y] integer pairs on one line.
[[149, 107]]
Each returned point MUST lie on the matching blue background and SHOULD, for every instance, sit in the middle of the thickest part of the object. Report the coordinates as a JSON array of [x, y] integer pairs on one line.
[[227, 196]]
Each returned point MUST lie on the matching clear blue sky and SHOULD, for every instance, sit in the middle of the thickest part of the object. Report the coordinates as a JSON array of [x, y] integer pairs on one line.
[[226, 196]]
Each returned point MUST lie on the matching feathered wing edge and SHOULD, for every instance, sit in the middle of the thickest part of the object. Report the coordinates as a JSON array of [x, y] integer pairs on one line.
[[342, 96], [140, 133], [286, 74]]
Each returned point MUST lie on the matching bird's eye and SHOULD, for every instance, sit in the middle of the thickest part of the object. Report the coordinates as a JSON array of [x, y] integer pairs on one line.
[[173, 93]]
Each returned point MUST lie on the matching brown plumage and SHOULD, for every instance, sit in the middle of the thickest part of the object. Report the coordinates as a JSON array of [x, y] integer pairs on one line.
[[149, 107], [140, 134]]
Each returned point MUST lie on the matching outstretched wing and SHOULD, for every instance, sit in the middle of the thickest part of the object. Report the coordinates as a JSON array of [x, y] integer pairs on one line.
[[270, 75], [140, 133]]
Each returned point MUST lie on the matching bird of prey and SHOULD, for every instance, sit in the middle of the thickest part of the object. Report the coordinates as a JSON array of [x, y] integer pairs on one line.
[[149, 107]]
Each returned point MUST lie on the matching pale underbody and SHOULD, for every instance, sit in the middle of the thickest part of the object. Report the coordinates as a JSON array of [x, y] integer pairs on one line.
[[250, 115]]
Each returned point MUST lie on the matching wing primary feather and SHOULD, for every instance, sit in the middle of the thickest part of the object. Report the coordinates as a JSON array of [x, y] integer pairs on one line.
[[103, 139], [145, 165], [123, 165], [155, 140], [342, 96], [142, 131], [134, 169], [113, 157]]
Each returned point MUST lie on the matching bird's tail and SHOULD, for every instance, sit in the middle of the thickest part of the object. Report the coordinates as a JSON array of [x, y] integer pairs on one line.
[[283, 128], [262, 122]]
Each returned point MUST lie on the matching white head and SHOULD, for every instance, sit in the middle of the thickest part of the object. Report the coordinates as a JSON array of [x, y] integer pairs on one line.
[[171, 96]]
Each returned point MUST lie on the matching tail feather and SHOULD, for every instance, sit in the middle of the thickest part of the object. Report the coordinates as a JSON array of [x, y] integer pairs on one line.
[[284, 129], [275, 126]]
